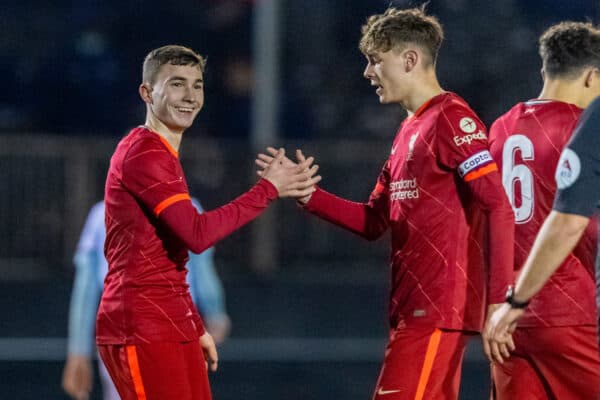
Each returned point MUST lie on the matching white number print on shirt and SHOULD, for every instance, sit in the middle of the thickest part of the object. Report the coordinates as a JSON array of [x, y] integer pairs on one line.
[[513, 174]]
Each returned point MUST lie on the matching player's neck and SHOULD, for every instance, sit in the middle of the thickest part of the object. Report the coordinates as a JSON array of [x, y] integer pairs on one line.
[[427, 90], [564, 91], [157, 126]]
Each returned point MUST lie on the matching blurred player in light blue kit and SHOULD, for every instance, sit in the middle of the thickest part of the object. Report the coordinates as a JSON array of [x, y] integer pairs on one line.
[[90, 269]]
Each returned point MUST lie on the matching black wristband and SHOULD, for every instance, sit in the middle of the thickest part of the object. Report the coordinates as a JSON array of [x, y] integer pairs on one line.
[[514, 303]]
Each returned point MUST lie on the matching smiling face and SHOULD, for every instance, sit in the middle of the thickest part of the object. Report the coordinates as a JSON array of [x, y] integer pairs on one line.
[[387, 71], [176, 95]]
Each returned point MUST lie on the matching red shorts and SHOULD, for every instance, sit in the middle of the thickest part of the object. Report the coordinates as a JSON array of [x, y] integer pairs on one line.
[[423, 363], [550, 363], [157, 371]]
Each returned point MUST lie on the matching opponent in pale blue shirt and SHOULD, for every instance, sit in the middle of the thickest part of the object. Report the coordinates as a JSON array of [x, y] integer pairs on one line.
[[90, 269]]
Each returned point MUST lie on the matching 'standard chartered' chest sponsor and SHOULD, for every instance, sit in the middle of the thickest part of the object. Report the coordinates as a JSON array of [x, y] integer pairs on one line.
[[404, 189]]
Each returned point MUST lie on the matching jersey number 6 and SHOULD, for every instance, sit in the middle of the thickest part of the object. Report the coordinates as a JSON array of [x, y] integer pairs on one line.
[[518, 174]]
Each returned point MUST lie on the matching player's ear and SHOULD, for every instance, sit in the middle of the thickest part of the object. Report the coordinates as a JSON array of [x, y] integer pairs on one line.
[[591, 75], [411, 58], [145, 91], [543, 73]]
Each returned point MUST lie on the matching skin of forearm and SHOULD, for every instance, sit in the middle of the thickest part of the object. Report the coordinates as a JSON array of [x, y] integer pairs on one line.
[[557, 238]]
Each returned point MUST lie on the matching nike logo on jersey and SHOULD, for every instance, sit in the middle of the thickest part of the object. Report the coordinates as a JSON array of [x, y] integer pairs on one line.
[[382, 392], [394, 150]]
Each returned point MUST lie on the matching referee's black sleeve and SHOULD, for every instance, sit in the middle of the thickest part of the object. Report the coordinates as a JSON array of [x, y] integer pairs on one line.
[[578, 170]]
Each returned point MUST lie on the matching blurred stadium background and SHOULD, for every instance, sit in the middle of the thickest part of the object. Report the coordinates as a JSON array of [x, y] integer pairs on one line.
[[308, 301]]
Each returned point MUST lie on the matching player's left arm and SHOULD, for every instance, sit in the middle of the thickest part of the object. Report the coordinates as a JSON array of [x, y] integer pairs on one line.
[[463, 146], [488, 192]]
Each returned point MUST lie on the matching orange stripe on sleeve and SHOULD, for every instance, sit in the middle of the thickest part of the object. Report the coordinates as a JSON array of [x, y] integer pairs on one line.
[[136, 376], [170, 200], [432, 348], [378, 188], [481, 172]]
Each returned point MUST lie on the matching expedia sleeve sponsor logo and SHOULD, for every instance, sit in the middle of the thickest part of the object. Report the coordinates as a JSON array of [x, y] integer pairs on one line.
[[467, 125], [467, 139], [475, 162], [568, 169], [404, 189]]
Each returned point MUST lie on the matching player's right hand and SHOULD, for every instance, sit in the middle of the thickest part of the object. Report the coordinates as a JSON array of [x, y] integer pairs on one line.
[[265, 160], [78, 377], [291, 179], [209, 349], [497, 347]]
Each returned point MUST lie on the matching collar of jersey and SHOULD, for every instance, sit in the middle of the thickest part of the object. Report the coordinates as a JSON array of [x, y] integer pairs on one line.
[[164, 141], [428, 103]]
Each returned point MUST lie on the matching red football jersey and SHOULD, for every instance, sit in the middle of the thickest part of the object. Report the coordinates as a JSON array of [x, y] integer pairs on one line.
[[526, 143], [150, 225], [434, 193]]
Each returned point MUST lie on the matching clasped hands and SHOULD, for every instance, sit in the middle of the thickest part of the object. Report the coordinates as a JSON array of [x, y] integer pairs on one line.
[[498, 332], [291, 179]]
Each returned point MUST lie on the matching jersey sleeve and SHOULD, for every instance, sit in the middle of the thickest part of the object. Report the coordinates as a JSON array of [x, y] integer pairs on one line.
[[150, 172], [463, 147], [369, 220], [462, 143], [578, 170], [487, 191]]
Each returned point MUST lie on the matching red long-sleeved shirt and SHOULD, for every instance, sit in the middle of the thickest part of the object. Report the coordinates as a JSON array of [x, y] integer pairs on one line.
[[151, 223], [451, 224]]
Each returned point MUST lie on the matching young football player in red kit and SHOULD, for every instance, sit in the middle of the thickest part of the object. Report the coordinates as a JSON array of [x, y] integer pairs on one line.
[[435, 193], [148, 331], [556, 343]]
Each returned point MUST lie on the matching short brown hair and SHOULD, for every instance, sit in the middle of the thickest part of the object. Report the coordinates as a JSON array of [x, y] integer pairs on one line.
[[170, 54], [568, 47], [395, 28]]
